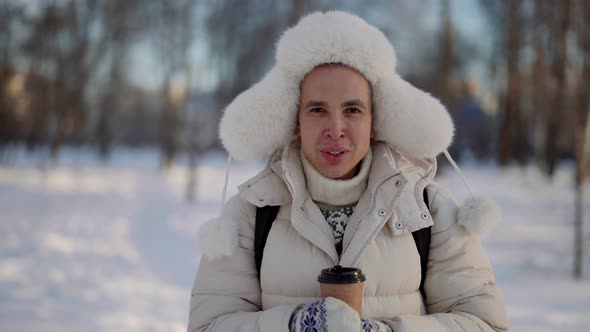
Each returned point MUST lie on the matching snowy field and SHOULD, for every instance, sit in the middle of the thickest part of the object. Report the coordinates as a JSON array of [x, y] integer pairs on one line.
[[87, 246]]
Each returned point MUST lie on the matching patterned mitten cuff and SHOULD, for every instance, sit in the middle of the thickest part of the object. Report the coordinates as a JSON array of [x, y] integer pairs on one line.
[[326, 314], [373, 325]]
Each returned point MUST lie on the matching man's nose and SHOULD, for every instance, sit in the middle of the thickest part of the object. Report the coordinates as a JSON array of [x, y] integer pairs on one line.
[[335, 127]]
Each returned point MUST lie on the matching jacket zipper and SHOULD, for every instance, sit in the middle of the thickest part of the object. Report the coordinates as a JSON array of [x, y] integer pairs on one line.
[[358, 221]]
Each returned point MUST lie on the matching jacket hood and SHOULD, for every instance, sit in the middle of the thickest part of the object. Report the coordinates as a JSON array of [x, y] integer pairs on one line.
[[410, 120]]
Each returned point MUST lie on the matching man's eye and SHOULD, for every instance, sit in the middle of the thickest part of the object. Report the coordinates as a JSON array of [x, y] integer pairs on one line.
[[316, 110], [352, 110]]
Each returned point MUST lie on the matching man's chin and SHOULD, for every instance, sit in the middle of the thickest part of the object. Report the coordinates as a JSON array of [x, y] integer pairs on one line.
[[330, 173], [336, 174]]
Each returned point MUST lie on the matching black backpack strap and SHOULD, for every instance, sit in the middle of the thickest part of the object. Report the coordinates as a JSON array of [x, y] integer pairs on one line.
[[265, 216], [422, 239]]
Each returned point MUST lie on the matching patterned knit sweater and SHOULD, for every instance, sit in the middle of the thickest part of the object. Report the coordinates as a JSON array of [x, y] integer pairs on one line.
[[337, 218]]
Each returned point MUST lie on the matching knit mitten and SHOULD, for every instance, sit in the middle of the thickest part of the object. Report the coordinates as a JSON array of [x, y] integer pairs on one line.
[[323, 315], [373, 325]]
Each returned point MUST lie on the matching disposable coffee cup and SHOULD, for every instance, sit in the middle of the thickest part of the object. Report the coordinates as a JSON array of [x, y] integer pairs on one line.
[[343, 283]]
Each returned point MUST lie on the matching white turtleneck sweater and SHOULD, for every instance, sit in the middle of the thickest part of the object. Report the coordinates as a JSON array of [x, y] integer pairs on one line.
[[337, 198]]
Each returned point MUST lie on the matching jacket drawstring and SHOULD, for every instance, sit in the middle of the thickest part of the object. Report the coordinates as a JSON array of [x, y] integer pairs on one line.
[[463, 178], [227, 168]]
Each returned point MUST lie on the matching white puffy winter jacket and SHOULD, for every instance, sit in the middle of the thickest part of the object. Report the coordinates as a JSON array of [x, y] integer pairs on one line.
[[460, 284]]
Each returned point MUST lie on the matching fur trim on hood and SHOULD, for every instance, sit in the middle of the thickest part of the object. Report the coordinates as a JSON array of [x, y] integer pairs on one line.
[[407, 118]]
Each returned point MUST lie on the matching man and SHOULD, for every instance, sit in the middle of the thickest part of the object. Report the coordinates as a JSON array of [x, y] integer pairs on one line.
[[352, 153]]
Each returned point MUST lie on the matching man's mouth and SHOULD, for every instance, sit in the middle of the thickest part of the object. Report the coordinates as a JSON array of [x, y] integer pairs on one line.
[[334, 155], [334, 150]]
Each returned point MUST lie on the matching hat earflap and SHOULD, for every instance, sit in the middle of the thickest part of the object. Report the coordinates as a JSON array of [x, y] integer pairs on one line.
[[410, 119], [261, 119]]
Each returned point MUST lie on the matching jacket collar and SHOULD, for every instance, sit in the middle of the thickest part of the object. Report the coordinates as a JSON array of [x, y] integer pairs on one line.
[[393, 195], [269, 187], [266, 188]]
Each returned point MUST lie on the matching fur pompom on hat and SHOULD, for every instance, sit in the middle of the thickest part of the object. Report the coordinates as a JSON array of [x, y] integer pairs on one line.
[[478, 215], [405, 117], [218, 238]]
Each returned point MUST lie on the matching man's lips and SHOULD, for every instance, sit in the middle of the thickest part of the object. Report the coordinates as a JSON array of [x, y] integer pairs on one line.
[[334, 154], [334, 150]]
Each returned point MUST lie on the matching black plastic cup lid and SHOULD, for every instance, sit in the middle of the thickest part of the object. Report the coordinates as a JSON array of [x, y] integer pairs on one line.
[[341, 275]]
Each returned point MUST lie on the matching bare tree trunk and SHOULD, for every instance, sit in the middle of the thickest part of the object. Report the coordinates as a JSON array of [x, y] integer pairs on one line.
[[191, 146], [167, 129], [170, 126], [110, 105], [59, 108], [445, 65], [512, 106], [103, 130], [539, 77], [581, 172], [582, 137], [191, 187], [578, 232], [551, 143], [560, 67]]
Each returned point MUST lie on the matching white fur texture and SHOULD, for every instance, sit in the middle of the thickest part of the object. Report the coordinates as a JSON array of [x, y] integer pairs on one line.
[[218, 238], [410, 119], [335, 37], [262, 119], [478, 215]]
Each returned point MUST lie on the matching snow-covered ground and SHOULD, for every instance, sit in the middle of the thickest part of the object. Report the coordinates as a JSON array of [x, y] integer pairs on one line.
[[86, 246]]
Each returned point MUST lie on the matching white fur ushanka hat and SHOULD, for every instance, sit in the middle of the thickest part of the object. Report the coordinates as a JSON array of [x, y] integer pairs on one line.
[[262, 119]]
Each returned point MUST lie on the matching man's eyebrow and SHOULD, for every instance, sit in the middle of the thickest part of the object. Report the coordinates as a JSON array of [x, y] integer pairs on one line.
[[355, 102], [315, 103]]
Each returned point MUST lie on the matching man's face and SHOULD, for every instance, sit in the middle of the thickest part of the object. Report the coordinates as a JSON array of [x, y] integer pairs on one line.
[[335, 120]]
